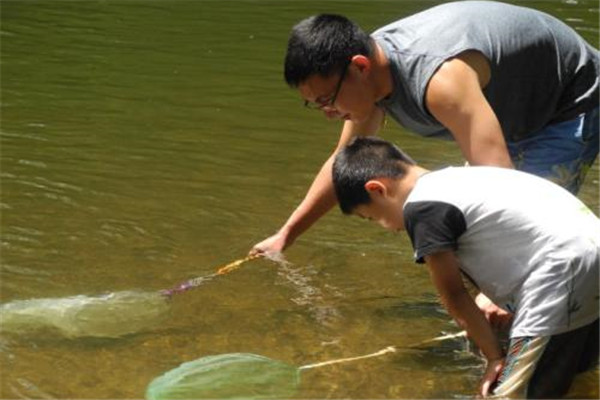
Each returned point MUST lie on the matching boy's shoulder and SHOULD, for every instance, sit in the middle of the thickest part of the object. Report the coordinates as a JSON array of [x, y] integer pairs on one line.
[[472, 172], [460, 182], [448, 180], [478, 191], [501, 188]]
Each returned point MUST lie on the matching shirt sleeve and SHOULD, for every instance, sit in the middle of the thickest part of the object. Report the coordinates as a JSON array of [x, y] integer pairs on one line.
[[433, 226]]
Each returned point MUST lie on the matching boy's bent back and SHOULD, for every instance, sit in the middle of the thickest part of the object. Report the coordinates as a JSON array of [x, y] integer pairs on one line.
[[529, 245]]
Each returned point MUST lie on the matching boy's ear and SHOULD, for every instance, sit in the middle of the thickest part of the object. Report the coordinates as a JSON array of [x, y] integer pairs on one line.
[[362, 62], [375, 188]]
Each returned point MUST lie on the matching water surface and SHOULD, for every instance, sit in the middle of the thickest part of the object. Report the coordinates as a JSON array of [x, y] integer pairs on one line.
[[148, 142]]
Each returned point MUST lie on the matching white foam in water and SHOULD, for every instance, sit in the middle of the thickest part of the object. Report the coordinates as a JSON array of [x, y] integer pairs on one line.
[[106, 316]]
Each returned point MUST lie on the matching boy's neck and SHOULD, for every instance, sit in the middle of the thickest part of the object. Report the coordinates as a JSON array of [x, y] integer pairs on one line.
[[409, 180]]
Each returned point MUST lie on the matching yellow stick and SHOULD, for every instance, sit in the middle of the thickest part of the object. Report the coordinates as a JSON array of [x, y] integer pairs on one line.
[[195, 282], [235, 265], [441, 338], [389, 349]]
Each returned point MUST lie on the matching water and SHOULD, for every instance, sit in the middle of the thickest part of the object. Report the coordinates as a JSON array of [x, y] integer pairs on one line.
[[148, 142]]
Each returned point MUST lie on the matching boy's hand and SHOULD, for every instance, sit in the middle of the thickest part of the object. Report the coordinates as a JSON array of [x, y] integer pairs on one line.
[[498, 318], [491, 375]]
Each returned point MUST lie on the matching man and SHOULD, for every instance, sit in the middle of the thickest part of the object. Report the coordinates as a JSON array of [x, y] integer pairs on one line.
[[514, 87]]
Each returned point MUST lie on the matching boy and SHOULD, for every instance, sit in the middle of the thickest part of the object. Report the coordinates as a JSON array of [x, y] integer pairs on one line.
[[527, 244]]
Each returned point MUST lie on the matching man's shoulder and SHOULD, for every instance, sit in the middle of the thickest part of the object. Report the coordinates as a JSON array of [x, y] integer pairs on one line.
[[457, 12]]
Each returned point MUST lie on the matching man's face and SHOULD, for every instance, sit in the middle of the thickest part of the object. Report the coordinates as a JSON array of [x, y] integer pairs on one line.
[[342, 96]]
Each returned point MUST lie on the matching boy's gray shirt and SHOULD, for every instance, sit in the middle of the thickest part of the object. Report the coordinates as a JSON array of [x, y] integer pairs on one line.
[[542, 71]]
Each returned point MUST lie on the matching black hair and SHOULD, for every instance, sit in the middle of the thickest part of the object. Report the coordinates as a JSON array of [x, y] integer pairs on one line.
[[323, 44], [365, 158]]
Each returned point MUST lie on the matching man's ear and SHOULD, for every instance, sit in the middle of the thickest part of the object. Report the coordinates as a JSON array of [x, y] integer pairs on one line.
[[362, 62], [375, 188]]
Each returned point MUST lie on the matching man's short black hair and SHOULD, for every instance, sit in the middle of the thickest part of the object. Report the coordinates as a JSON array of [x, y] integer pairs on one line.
[[323, 44], [365, 158]]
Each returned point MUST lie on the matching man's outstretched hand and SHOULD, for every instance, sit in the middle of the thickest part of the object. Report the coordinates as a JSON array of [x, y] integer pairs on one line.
[[273, 244]]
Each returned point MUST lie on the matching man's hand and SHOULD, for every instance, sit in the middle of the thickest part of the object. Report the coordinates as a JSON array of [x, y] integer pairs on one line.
[[497, 317], [273, 244], [491, 375]]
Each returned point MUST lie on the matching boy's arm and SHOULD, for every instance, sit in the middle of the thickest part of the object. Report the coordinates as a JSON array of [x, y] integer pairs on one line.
[[455, 98], [446, 277], [320, 197]]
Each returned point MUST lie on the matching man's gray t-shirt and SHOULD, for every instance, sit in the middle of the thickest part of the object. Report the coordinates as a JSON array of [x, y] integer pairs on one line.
[[542, 71], [528, 244]]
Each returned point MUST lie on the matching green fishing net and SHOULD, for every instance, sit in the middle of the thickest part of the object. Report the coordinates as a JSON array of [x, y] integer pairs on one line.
[[227, 376], [107, 316], [247, 376]]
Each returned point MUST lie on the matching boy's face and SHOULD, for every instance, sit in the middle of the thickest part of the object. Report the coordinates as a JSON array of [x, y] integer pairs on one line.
[[385, 207]]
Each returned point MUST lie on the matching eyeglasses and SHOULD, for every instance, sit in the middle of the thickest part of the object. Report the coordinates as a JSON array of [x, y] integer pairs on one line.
[[329, 103]]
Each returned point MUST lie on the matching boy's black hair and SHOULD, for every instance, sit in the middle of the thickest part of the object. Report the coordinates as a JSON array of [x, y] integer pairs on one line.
[[365, 158], [323, 44]]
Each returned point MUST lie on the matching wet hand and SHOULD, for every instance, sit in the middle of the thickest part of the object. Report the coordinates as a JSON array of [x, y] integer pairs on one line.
[[491, 375], [273, 244]]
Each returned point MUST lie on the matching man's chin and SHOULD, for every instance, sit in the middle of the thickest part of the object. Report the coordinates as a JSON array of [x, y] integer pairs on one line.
[[356, 117]]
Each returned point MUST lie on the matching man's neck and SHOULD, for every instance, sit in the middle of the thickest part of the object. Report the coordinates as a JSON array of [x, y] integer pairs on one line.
[[382, 76]]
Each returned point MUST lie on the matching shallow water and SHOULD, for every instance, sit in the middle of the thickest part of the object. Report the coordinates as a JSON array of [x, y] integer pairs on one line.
[[148, 142]]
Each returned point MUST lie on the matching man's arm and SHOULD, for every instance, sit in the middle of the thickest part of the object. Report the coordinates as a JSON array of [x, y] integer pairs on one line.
[[446, 277], [320, 197], [455, 98]]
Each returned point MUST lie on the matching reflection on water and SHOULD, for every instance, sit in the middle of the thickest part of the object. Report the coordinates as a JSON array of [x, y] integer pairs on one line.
[[145, 143]]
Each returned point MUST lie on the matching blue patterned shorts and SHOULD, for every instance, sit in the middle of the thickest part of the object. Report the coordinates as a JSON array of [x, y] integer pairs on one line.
[[562, 153]]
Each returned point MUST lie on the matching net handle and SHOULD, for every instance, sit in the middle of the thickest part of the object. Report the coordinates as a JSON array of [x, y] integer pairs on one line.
[[389, 349], [225, 269], [440, 339], [195, 282]]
